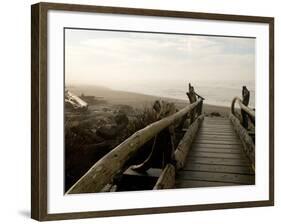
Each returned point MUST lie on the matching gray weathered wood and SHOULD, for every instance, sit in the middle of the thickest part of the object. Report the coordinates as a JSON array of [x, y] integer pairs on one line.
[[225, 125], [217, 131], [210, 134], [218, 168], [167, 178], [196, 153], [218, 150], [216, 146], [217, 123], [222, 177], [192, 98], [218, 161], [242, 106], [185, 144], [112, 163], [214, 159], [218, 138], [109, 188], [248, 144], [152, 172], [217, 128], [218, 142], [198, 183]]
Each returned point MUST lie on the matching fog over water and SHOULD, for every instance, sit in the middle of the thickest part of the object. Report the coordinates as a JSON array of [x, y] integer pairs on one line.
[[161, 64]]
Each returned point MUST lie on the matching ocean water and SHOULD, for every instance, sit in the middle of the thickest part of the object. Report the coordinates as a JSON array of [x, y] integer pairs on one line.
[[219, 92]]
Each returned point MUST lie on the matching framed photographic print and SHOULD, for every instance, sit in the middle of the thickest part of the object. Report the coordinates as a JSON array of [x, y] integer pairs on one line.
[[141, 111]]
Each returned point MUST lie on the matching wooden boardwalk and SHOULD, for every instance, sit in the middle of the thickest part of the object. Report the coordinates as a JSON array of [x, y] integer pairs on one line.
[[216, 158], [160, 156]]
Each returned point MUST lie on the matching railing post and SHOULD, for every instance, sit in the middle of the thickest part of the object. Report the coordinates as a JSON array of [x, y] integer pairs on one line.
[[192, 98], [245, 101]]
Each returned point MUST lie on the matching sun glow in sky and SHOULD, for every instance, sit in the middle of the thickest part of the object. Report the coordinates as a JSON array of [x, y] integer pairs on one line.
[[115, 59]]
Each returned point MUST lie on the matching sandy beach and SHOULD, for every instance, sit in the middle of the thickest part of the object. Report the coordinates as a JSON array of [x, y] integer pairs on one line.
[[136, 100]]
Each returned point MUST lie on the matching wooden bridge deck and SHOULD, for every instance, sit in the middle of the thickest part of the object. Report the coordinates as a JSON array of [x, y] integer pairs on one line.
[[216, 158], [164, 157]]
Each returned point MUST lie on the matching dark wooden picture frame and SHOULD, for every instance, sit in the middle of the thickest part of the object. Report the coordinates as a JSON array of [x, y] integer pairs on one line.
[[39, 107]]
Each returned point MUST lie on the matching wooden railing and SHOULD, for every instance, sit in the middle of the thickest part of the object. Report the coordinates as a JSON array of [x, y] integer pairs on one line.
[[118, 159], [244, 123]]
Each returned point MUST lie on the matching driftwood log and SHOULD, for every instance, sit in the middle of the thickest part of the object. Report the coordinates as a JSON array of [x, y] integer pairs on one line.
[[167, 178], [103, 172], [185, 144]]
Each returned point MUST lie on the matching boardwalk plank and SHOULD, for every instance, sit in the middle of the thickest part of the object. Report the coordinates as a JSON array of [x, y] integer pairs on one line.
[[216, 146], [218, 142], [210, 129], [218, 161], [217, 138], [216, 132], [219, 135], [216, 158], [218, 168], [216, 122], [221, 177], [198, 183], [222, 126], [217, 150], [217, 155]]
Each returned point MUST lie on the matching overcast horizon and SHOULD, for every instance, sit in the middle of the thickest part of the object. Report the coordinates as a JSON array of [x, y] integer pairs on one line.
[[160, 64]]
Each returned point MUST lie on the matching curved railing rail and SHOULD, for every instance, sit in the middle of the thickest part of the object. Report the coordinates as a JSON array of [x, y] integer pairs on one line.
[[115, 162], [244, 124], [244, 108]]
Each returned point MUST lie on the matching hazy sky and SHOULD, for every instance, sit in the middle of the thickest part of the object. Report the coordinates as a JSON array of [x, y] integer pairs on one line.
[[115, 59]]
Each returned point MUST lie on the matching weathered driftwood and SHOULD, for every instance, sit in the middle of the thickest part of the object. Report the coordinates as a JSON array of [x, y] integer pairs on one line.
[[245, 95], [248, 144], [167, 178], [185, 144], [245, 110], [112, 163], [192, 98], [109, 188], [74, 102], [250, 112], [245, 102]]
